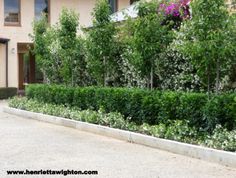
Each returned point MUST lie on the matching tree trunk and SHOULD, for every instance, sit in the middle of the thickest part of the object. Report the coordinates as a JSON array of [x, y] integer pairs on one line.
[[72, 78], [151, 78], [208, 80], [217, 76], [104, 72], [44, 77]]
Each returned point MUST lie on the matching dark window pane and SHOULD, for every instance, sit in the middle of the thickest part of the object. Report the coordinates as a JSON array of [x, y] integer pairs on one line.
[[113, 4], [41, 7], [12, 11]]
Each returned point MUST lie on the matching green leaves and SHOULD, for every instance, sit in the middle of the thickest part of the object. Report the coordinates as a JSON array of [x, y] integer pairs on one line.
[[146, 38], [179, 130], [59, 51], [222, 139], [206, 38], [101, 44], [145, 106]]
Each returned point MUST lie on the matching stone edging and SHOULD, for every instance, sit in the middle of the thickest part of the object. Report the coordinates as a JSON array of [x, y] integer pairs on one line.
[[199, 152]]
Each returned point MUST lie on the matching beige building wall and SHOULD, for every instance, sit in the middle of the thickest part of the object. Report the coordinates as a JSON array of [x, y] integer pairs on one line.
[[20, 34], [16, 34], [83, 7], [123, 4], [2, 66]]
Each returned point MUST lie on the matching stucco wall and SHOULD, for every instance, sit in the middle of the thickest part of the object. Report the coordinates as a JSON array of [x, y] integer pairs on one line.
[[123, 4], [17, 34], [2, 66], [83, 7]]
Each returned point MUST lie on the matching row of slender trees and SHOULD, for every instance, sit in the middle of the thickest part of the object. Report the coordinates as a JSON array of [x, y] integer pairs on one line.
[[179, 45]]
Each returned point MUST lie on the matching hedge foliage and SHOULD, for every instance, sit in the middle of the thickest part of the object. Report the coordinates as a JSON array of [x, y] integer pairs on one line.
[[7, 92], [145, 106], [178, 130]]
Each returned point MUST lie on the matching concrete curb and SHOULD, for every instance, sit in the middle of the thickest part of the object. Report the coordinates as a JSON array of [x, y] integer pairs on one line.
[[206, 154]]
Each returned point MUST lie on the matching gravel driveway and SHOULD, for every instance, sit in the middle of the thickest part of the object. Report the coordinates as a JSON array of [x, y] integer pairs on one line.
[[31, 145]]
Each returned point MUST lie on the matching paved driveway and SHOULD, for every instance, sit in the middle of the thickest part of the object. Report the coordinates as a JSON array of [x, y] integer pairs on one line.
[[28, 144]]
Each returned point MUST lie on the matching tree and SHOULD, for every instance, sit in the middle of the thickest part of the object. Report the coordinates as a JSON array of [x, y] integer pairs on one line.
[[148, 39], [101, 44], [209, 39], [39, 29], [69, 45], [59, 50]]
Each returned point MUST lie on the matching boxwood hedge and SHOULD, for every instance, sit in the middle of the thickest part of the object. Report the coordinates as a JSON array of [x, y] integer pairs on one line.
[[144, 106]]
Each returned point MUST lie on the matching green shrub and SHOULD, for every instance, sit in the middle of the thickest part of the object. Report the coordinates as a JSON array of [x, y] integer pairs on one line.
[[222, 139], [7, 92], [178, 130], [145, 106], [191, 106], [181, 131], [221, 109]]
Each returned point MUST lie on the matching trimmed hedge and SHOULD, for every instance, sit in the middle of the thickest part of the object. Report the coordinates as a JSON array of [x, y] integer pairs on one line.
[[175, 130], [6, 93], [144, 106]]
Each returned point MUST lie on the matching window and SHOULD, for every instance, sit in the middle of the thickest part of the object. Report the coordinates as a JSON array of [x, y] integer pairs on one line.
[[113, 4], [41, 7], [12, 12]]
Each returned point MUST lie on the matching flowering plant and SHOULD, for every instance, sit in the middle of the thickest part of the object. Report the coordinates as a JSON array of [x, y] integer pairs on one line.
[[175, 12]]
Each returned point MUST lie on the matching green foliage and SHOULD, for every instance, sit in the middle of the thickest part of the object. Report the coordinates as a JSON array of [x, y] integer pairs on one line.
[[144, 106], [178, 130], [222, 139], [221, 110], [40, 42], [101, 44], [59, 51], [191, 106], [175, 130], [145, 9], [131, 75], [6, 93], [148, 38], [175, 71], [69, 45], [142, 52], [57, 94], [209, 39]]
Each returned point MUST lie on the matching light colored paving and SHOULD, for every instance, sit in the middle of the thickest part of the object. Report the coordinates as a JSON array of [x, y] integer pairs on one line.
[[29, 144]]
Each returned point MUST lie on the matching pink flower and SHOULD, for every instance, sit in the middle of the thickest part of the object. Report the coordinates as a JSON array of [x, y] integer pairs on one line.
[[175, 9], [175, 12]]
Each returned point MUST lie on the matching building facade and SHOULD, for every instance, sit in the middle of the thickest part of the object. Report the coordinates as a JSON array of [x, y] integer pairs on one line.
[[16, 18]]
